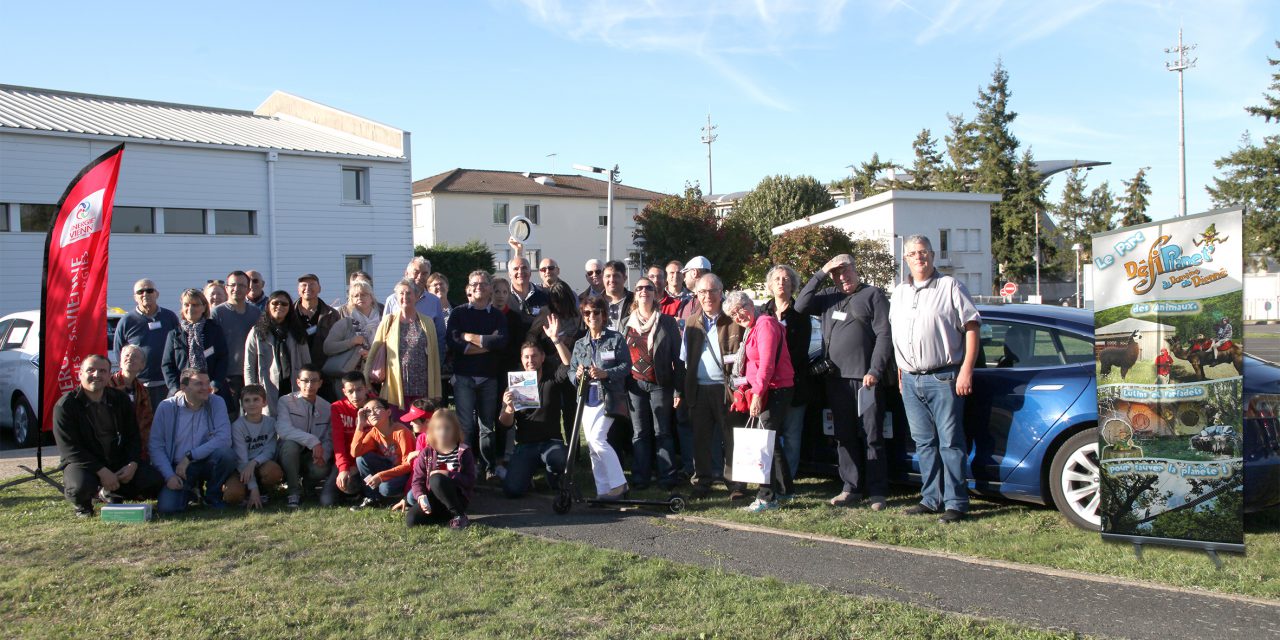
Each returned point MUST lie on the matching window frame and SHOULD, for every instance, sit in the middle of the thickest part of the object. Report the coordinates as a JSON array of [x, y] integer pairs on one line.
[[22, 227], [204, 221], [253, 222], [506, 213], [362, 185], [151, 214]]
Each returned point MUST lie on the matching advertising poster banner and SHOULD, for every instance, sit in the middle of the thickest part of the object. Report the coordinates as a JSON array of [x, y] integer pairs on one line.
[[1170, 356], [73, 302]]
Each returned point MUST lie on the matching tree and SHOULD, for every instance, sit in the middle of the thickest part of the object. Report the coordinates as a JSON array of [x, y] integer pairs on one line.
[[927, 170], [807, 249], [1011, 243], [865, 182], [957, 176], [1134, 202], [456, 262], [1073, 210], [1251, 177], [680, 227], [996, 171], [778, 200], [1101, 210]]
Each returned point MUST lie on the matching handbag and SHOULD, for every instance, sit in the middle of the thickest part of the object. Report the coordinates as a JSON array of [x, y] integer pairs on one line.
[[378, 366], [741, 400], [753, 452]]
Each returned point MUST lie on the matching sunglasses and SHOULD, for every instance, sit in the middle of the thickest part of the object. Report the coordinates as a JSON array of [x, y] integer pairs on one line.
[[644, 287], [213, 282], [279, 303], [144, 291], [593, 312], [596, 272], [546, 269], [257, 281]]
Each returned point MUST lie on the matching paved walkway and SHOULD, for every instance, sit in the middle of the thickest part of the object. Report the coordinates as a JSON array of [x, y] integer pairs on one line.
[[1053, 600]]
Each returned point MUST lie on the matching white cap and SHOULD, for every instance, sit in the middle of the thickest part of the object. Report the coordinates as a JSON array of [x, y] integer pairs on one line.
[[698, 262]]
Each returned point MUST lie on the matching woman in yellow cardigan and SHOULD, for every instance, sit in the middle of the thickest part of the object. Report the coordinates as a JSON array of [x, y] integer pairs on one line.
[[405, 356]]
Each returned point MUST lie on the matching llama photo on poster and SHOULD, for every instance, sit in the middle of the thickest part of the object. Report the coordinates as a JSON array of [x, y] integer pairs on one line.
[[1169, 352]]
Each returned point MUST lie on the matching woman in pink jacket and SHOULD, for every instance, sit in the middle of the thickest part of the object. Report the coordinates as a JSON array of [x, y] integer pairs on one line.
[[765, 365]]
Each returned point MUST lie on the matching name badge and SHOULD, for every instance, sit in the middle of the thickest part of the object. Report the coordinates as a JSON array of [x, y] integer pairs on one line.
[[839, 316], [731, 358], [153, 325], [739, 381], [606, 355], [208, 352], [311, 331]]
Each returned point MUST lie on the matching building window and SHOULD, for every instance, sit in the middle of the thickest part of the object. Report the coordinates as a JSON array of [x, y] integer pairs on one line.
[[604, 217], [36, 217], [975, 240], [943, 243], [355, 185], [233, 222], [531, 212], [4, 217], [418, 215], [500, 212], [184, 221], [358, 263], [501, 256], [632, 212], [133, 220]]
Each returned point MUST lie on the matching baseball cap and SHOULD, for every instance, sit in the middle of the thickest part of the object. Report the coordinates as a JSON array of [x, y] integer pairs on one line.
[[309, 276], [698, 262]]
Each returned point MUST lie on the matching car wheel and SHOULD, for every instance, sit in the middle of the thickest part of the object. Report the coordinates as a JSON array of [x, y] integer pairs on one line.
[[25, 429], [1074, 480]]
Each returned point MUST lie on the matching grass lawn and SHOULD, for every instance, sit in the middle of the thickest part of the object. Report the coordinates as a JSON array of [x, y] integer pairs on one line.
[[1020, 533], [329, 573]]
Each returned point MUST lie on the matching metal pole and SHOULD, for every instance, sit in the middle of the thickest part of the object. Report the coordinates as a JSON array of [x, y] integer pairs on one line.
[[608, 227], [1180, 65], [1037, 257], [709, 136], [1079, 290]]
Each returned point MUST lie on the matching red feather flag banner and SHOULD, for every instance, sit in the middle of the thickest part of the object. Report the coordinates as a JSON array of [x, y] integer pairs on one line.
[[73, 299]]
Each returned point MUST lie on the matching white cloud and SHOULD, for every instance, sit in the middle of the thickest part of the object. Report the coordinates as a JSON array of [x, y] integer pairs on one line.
[[715, 32], [1013, 22]]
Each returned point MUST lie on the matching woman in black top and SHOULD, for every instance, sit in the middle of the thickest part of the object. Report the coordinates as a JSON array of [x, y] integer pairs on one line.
[[781, 283]]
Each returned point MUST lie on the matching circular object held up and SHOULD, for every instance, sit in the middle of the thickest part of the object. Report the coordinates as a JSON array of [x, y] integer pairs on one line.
[[520, 228]]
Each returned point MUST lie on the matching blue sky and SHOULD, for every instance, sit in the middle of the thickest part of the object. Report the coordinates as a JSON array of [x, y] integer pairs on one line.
[[800, 87]]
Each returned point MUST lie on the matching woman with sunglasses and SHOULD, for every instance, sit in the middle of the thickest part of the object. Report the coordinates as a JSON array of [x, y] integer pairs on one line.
[[653, 340], [196, 342], [602, 362], [276, 349]]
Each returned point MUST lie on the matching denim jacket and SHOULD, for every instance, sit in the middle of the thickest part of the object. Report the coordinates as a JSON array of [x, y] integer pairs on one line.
[[610, 353]]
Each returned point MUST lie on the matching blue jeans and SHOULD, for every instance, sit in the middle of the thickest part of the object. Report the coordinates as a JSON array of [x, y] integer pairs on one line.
[[209, 472], [935, 417], [650, 425], [792, 428], [477, 402], [525, 460], [371, 463]]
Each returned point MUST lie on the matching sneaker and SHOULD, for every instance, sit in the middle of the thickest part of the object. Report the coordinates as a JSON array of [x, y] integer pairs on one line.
[[85, 511], [460, 522], [759, 505], [294, 502], [919, 510], [364, 504], [501, 472], [844, 499], [951, 515]]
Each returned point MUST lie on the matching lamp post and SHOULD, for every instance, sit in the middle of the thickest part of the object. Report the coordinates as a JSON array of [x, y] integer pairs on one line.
[[612, 175], [1079, 301]]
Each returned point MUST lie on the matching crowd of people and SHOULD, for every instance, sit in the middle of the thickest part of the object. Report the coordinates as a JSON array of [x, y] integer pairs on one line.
[[405, 403]]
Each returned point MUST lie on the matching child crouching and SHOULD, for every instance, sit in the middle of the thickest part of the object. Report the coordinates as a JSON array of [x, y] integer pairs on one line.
[[444, 475]]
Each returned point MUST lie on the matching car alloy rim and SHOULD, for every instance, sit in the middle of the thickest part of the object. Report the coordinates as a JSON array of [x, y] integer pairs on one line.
[[1080, 483], [21, 422]]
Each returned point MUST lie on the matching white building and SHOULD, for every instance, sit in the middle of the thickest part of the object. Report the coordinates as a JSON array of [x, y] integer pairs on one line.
[[958, 224], [292, 187], [568, 212]]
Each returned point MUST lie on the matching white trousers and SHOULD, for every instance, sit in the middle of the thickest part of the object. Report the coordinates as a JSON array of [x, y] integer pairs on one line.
[[605, 466]]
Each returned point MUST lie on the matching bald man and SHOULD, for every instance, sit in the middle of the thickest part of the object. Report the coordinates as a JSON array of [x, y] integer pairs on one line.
[[147, 326]]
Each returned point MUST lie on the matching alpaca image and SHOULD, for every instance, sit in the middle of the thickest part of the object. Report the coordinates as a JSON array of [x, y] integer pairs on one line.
[[1123, 356]]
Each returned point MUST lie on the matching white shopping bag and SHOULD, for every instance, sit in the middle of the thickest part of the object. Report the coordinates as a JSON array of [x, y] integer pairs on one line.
[[752, 453]]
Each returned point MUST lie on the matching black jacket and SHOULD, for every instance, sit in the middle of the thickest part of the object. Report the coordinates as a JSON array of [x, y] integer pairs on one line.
[[176, 357], [78, 443], [799, 334], [858, 343], [695, 337]]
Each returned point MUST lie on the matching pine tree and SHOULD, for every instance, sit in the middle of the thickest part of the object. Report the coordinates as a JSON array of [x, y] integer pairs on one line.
[[926, 172], [997, 170], [865, 183], [1015, 238], [1100, 216], [1134, 202], [1073, 211], [957, 176], [1251, 177]]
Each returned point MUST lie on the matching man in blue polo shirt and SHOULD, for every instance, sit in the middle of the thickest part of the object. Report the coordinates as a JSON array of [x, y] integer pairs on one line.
[[146, 326]]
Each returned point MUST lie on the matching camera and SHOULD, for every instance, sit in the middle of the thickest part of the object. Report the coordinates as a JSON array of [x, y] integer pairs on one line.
[[822, 367]]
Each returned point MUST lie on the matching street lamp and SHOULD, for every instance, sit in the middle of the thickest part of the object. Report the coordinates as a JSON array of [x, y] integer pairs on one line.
[[1079, 298], [608, 219]]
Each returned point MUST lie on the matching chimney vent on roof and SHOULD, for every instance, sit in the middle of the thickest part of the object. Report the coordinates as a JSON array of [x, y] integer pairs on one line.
[[545, 180]]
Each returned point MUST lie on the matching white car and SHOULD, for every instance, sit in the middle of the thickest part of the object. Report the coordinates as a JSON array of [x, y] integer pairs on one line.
[[20, 370]]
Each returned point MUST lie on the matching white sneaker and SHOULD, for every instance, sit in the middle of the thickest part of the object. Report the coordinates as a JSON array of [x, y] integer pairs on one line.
[[759, 505]]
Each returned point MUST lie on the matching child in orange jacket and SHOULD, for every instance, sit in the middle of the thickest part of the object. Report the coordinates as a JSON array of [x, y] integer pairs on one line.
[[382, 450]]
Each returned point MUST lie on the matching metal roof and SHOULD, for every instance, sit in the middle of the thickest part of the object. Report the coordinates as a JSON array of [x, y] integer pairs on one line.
[[31, 109]]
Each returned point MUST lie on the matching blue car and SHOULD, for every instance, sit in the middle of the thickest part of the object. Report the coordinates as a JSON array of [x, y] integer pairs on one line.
[[1032, 421]]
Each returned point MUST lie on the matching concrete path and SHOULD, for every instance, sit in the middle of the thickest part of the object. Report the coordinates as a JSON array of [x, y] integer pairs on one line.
[[1048, 599]]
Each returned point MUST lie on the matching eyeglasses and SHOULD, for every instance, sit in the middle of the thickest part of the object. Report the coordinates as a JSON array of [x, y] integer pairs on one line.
[[550, 268], [593, 312], [644, 287], [918, 254], [144, 291], [279, 303], [705, 292], [214, 282]]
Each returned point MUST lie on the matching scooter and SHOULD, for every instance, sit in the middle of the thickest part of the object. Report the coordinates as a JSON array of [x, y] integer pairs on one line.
[[569, 492]]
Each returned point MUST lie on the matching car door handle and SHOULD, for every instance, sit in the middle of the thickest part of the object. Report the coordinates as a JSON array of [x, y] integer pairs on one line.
[[1046, 387]]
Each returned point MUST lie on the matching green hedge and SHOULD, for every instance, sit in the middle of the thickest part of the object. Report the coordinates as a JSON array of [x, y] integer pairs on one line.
[[456, 262]]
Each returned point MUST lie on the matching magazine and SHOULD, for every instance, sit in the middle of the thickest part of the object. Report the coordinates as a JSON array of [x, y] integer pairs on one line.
[[524, 389]]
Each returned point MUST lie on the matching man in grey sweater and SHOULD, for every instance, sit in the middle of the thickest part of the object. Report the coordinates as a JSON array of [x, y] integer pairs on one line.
[[190, 444], [237, 318]]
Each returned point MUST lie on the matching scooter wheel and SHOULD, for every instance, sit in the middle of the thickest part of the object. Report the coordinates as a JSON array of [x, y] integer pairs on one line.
[[561, 504], [676, 504]]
